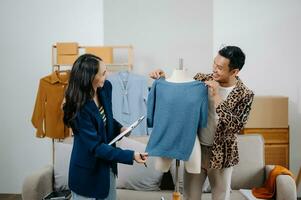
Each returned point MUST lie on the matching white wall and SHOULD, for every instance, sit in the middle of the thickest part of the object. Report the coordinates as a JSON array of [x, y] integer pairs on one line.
[[161, 32], [269, 33], [28, 29]]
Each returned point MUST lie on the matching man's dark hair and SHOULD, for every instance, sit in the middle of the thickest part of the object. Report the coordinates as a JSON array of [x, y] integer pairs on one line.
[[235, 55]]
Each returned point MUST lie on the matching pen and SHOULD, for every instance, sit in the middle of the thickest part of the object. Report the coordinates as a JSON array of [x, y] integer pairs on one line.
[[143, 159]]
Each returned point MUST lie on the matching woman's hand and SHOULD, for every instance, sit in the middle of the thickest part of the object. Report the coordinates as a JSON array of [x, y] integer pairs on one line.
[[140, 157], [123, 129], [156, 74]]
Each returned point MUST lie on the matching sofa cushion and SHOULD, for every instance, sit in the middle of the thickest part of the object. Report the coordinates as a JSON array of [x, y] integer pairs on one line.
[[138, 177], [249, 172], [38, 184], [62, 153]]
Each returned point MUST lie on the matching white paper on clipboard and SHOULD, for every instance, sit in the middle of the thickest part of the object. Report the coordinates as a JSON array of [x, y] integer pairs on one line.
[[129, 129]]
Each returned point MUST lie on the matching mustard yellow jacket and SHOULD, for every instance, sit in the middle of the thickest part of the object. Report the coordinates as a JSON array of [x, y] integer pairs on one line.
[[47, 116]]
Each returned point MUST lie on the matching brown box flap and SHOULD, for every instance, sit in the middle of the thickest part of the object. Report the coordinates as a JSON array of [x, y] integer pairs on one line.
[[67, 48], [105, 53], [268, 112]]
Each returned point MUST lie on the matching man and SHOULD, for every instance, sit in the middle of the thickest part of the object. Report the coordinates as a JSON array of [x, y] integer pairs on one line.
[[229, 106]]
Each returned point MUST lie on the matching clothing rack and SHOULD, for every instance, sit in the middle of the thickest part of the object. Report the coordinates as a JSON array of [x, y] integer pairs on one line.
[[111, 66], [57, 140]]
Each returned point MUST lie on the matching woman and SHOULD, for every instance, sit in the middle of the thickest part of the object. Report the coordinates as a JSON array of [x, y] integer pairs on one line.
[[88, 111]]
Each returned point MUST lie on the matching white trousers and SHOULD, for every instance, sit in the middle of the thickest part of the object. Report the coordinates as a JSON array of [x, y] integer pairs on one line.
[[220, 180]]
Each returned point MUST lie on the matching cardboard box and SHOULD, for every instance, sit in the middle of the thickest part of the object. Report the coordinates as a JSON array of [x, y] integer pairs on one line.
[[268, 112], [66, 59], [105, 53], [67, 48]]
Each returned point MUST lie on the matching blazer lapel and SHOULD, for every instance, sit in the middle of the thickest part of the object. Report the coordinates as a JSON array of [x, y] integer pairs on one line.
[[99, 122]]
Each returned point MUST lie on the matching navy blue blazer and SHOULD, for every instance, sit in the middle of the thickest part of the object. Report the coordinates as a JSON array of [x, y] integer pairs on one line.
[[92, 157]]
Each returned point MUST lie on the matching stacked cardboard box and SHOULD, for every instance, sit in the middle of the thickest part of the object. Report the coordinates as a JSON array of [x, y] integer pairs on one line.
[[105, 53], [67, 53], [269, 118], [269, 112]]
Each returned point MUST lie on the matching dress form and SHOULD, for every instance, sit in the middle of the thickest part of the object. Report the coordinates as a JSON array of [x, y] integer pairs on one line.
[[193, 165], [179, 76]]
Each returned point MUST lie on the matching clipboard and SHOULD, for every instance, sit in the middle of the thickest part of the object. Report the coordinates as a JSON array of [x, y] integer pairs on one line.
[[129, 129]]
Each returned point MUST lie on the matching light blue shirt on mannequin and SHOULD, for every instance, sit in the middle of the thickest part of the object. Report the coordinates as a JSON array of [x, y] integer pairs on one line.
[[175, 111], [129, 97]]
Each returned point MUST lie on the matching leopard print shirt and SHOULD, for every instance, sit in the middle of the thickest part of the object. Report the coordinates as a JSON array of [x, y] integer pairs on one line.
[[233, 114]]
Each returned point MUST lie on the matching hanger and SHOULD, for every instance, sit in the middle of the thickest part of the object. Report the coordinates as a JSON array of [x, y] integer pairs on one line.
[[64, 71], [59, 70]]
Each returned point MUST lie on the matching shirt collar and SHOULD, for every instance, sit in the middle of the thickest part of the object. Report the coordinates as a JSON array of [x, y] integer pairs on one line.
[[56, 77]]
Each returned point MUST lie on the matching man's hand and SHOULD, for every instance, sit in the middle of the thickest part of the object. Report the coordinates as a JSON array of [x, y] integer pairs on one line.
[[157, 74], [213, 87]]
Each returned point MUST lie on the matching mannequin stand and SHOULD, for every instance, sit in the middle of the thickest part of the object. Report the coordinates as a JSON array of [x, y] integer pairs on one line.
[[176, 194], [179, 75]]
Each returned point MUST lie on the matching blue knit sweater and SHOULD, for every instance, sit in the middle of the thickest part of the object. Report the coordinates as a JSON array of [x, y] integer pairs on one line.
[[175, 111]]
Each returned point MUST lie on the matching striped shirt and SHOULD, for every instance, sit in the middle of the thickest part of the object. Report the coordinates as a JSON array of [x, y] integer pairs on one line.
[[103, 115]]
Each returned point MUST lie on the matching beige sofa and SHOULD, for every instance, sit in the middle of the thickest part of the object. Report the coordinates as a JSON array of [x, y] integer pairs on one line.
[[251, 172]]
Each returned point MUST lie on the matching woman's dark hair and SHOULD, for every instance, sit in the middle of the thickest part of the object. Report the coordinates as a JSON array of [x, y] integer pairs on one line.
[[80, 88], [235, 55]]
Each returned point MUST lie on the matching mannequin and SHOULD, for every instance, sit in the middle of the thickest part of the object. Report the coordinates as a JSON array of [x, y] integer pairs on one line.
[[193, 165], [179, 76]]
